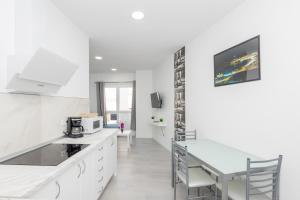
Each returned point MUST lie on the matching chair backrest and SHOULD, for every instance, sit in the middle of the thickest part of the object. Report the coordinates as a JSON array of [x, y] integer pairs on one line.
[[263, 178], [185, 135], [181, 161]]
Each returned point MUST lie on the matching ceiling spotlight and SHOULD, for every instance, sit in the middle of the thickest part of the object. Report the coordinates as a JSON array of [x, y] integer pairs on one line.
[[138, 15], [98, 57], [113, 69]]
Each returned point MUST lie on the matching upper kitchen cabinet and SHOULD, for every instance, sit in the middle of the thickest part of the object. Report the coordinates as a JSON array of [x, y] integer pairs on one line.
[[51, 54]]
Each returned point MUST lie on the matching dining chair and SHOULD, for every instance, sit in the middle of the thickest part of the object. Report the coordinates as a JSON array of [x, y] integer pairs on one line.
[[188, 135], [192, 178], [262, 181], [185, 135]]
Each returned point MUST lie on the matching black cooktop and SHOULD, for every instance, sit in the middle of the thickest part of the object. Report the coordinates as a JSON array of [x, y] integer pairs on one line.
[[49, 155]]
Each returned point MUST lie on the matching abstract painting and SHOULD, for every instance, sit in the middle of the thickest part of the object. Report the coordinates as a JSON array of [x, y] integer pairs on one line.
[[238, 64]]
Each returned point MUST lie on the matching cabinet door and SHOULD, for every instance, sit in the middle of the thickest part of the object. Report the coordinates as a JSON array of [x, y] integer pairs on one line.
[[100, 169], [110, 158], [114, 155], [63, 188], [107, 173], [50, 192], [70, 183], [88, 177]]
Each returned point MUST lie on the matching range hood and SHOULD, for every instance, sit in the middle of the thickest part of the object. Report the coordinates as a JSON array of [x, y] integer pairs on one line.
[[42, 73]]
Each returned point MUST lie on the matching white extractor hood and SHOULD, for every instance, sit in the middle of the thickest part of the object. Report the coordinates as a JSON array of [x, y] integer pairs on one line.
[[42, 73]]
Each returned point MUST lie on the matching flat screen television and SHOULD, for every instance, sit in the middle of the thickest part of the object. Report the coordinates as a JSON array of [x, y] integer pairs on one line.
[[156, 100]]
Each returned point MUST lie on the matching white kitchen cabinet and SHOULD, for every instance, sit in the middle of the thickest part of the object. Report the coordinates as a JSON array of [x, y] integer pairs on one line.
[[99, 181], [86, 179], [64, 187], [110, 159]]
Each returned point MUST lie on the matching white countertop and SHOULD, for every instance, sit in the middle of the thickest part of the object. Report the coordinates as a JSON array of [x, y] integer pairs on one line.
[[20, 181]]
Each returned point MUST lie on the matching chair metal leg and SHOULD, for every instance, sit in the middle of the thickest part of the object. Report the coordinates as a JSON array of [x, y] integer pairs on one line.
[[175, 187], [187, 193], [216, 192]]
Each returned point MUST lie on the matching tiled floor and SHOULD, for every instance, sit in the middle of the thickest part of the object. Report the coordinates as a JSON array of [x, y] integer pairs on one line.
[[143, 173]]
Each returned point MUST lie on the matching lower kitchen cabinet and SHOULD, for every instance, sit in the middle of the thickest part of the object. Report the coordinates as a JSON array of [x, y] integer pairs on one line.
[[64, 187], [87, 183], [86, 179], [110, 164]]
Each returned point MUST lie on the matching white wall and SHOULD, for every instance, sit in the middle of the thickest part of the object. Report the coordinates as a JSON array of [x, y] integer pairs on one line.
[[143, 103], [260, 117], [163, 82], [106, 77], [6, 37], [25, 120], [26, 26]]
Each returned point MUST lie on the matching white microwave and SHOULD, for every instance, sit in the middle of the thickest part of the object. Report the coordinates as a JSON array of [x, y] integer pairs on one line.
[[92, 125]]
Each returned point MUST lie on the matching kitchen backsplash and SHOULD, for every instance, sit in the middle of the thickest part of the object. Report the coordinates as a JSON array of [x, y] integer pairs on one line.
[[28, 120]]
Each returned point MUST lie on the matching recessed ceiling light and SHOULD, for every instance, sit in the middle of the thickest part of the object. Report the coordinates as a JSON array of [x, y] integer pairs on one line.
[[138, 15], [113, 69], [98, 57]]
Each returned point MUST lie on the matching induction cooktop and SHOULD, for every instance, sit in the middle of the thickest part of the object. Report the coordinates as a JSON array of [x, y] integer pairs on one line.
[[49, 155]]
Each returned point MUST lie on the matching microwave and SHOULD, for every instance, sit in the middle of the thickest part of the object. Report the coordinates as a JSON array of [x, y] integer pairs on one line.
[[92, 125]]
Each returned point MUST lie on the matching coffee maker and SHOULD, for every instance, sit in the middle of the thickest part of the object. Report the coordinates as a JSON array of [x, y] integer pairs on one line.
[[74, 127]]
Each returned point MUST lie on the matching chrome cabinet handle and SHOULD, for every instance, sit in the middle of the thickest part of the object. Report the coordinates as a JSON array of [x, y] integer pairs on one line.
[[83, 171], [58, 186], [78, 176], [100, 180], [100, 170], [100, 191], [100, 159]]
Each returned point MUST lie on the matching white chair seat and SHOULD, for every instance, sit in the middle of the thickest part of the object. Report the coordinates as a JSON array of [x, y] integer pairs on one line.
[[194, 162], [197, 178], [237, 191]]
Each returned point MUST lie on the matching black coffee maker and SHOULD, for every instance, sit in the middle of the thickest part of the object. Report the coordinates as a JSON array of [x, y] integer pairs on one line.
[[74, 127]]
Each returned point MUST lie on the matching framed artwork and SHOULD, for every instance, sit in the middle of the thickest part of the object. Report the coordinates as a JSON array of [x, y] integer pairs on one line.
[[238, 64], [179, 86]]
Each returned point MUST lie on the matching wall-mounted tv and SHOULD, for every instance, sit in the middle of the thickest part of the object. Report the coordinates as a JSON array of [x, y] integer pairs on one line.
[[156, 101], [238, 64]]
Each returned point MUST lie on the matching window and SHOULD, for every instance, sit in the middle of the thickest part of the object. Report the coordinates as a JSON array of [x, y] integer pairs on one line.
[[118, 100], [125, 102], [111, 99]]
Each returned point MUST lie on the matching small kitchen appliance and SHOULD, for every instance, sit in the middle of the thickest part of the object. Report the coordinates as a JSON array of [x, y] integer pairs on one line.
[[74, 127], [92, 124]]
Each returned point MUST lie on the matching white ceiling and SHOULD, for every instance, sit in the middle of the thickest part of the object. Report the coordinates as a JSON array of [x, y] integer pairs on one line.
[[127, 44]]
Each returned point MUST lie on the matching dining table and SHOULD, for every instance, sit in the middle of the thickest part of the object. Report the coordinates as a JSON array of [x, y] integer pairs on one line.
[[226, 161]]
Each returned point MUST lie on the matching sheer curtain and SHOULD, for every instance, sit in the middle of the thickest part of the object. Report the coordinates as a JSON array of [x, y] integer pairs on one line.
[[133, 108], [101, 100]]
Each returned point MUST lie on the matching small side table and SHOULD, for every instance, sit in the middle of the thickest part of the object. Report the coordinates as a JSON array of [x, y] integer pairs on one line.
[[128, 134]]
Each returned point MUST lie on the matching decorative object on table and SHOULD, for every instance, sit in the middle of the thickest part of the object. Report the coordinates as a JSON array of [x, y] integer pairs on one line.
[[153, 118], [179, 87], [238, 64], [122, 126], [161, 119]]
